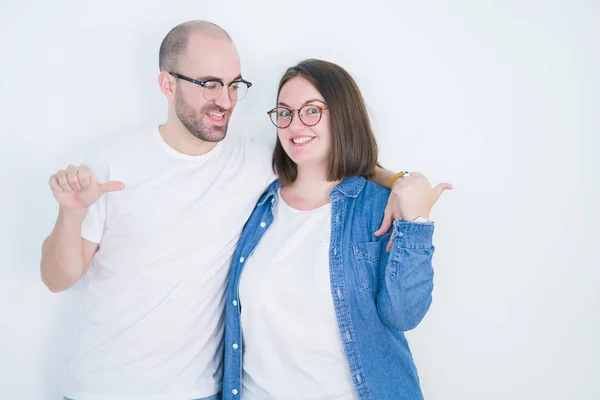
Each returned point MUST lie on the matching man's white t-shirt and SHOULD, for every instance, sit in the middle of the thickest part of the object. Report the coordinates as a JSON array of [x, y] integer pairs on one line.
[[150, 323]]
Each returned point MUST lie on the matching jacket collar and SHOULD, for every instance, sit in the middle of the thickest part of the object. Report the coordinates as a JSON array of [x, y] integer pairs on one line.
[[349, 187]]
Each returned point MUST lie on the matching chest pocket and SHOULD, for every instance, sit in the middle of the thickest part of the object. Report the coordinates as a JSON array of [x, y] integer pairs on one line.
[[367, 264]]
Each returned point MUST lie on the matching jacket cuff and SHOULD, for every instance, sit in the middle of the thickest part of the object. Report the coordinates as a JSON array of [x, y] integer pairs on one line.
[[413, 235]]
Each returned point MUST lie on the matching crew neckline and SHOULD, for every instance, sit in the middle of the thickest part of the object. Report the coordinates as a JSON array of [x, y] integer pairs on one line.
[[298, 211], [185, 157]]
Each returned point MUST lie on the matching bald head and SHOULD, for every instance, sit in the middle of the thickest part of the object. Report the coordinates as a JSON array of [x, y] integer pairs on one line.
[[174, 45]]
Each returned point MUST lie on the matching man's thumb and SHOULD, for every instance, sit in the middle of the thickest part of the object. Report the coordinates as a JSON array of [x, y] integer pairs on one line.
[[111, 186]]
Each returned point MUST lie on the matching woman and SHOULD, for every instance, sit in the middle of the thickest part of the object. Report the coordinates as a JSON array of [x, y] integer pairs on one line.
[[320, 302]]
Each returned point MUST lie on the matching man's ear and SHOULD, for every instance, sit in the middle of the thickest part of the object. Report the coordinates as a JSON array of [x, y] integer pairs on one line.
[[167, 84]]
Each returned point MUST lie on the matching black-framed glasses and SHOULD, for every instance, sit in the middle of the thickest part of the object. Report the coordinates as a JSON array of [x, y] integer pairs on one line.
[[309, 115], [212, 88]]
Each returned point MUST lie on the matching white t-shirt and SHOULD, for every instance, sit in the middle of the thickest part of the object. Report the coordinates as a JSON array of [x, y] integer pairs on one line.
[[150, 323], [292, 346]]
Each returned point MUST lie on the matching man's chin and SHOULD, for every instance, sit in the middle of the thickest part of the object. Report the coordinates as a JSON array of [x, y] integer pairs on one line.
[[216, 134]]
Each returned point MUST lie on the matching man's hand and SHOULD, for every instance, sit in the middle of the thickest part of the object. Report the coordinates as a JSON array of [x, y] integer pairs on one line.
[[412, 197], [76, 189]]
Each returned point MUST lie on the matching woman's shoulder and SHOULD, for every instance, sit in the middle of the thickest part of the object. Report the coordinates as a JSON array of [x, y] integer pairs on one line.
[[362, 190], [374, 192], [270, 191], [369, 208]]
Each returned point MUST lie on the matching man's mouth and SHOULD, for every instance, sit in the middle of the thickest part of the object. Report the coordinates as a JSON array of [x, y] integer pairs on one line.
[[216, 116]]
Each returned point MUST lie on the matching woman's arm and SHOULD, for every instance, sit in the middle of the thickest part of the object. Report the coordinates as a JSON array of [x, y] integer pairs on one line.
[[407, 283]]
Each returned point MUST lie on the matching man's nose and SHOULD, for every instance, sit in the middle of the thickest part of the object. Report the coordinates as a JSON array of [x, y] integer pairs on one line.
[[223, 100]]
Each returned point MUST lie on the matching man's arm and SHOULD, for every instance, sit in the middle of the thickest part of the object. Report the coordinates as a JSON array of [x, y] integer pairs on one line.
[[382, 176], [65, 254]]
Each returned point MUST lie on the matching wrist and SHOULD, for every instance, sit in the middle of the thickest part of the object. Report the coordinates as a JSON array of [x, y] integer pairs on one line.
[[72, 216], [417, 218], [394, 177]]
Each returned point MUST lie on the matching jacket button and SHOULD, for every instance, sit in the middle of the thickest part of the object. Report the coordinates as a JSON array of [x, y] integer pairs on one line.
[[241, 259], [235, 346], [262, 224], [234, 391]]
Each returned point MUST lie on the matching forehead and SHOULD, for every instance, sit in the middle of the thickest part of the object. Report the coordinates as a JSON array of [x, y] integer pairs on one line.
[[210, 56], [298, 90]]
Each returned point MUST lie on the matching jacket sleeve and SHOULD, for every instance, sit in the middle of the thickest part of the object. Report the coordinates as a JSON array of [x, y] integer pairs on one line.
[[406, 276]]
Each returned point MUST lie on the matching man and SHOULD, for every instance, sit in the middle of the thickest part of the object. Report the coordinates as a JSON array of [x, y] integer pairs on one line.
[[155, 256]]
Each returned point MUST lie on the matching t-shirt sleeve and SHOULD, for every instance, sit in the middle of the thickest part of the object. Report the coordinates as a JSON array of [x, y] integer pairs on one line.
[[93, 226]]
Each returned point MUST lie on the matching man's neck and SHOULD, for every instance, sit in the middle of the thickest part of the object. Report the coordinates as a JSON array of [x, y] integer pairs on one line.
[[179, 138]]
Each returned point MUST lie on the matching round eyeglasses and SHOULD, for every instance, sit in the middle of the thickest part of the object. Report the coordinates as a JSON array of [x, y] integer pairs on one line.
[[309, 115], [212, 88]]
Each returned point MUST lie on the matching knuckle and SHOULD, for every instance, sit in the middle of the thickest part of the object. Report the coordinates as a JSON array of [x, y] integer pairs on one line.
[[85, 171]]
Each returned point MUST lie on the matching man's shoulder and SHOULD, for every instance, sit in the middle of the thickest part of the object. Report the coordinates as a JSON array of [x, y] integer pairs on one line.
[[254, 155], [249, 145]]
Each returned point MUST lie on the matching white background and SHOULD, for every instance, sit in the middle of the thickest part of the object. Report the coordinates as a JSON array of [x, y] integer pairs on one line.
[[500, 98]]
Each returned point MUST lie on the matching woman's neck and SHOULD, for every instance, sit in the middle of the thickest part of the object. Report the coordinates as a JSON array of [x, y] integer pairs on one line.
[[310, 190]]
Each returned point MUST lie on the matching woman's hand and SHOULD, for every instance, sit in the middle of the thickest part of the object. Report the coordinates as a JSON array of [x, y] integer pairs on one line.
[[412, 197]]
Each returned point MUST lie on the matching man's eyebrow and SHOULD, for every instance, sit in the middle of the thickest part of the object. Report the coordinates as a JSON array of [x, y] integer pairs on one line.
[[215, 78]]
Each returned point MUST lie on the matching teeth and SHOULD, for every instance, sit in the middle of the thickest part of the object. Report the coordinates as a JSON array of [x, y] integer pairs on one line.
[[217, 114], [301, 140]]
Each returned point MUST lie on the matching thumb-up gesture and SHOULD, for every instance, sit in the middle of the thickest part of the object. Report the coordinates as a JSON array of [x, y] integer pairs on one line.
[[76, 188]]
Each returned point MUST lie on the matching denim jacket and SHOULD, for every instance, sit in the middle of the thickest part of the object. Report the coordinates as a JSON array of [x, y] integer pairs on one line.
[[377, 295]]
